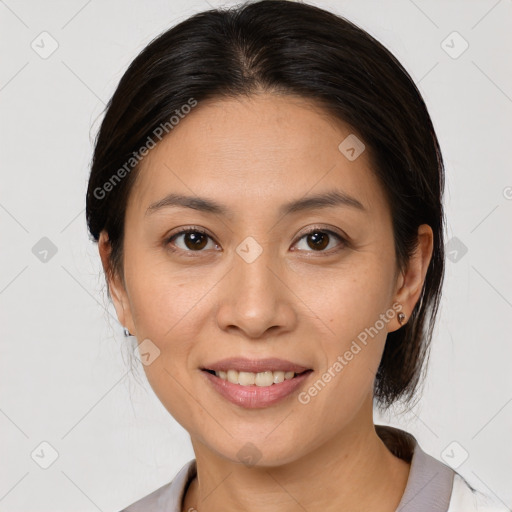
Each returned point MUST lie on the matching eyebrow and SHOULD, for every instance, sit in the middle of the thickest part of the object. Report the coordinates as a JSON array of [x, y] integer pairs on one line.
[[324, 200]]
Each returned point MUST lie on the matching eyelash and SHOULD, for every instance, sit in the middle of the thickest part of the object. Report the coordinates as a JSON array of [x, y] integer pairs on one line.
[[193, 229]]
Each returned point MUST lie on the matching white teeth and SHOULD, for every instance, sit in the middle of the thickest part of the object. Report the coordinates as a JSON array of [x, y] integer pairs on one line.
[[246, 378], [278, 377], [264, 379], [232, 376], [259, 379]]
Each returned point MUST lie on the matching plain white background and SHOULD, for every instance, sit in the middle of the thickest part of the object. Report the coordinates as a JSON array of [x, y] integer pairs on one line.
[[64, 366]]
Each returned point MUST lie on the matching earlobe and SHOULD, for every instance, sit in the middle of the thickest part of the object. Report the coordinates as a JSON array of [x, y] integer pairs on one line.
[[115, 287]]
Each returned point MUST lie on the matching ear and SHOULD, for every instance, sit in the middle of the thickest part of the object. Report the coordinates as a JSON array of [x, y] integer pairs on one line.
[[410, 282], [115, 285]]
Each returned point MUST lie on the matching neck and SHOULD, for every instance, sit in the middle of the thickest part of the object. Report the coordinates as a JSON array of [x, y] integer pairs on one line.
[[352, 471]]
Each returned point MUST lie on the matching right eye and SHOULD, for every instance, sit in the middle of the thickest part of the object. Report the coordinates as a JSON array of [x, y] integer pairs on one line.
[[192, 240]]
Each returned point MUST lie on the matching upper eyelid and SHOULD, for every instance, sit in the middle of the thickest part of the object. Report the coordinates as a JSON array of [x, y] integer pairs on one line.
[[323, 230]]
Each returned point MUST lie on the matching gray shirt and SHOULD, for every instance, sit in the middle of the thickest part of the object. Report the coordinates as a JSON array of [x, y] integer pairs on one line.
[[431, 487]]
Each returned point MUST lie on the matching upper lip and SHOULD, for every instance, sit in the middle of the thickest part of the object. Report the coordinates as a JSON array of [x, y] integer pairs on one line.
[[255, 365]]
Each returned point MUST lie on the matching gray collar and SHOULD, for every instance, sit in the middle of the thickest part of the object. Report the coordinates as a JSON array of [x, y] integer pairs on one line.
[[428, 489], [430, 483]]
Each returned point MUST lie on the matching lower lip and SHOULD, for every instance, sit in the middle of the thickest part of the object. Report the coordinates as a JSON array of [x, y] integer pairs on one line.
[[255, 397]]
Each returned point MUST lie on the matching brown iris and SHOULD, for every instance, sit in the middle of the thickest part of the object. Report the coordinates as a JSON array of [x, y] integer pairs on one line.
[[319, 240], [195, 241]]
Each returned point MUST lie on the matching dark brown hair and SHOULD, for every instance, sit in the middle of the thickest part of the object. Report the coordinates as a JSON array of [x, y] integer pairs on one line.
[[293, 48]]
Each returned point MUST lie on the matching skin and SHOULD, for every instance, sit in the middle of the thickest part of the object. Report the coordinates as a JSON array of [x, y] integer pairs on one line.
[[294, 301]]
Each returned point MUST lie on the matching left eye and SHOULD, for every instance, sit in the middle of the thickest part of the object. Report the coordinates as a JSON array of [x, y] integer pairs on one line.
[[318, 239]]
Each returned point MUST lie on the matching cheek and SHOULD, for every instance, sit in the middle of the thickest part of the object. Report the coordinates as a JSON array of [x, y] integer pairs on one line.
[[350, 305], [166, 309], [165, 301], [347, 298]]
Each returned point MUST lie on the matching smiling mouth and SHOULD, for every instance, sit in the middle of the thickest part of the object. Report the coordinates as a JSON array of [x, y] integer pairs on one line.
[[261, 379]]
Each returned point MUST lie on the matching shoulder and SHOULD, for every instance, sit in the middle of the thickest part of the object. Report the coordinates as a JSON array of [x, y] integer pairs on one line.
[[169, 496], [465, 499], [433, 486]]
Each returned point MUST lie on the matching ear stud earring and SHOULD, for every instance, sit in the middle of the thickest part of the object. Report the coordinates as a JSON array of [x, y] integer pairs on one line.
[[401, 318], [127, 333]]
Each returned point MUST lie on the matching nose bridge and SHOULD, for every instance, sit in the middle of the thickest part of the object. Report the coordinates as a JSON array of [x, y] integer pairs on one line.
[[252, 273], [254, 300]]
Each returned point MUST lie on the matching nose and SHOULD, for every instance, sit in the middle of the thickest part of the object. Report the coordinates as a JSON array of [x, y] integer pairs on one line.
[[255, 298]]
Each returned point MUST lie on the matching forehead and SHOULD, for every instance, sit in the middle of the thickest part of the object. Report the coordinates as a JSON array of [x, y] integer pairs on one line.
[[255, 150]]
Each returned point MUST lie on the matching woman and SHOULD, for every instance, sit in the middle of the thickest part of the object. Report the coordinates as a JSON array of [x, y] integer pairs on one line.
[[266, 194]]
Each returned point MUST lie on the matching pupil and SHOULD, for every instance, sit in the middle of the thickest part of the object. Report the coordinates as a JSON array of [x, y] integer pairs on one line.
[[319, 240], [195, 239]]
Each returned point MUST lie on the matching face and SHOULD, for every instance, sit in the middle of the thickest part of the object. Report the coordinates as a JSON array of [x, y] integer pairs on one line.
[[257, 279]]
